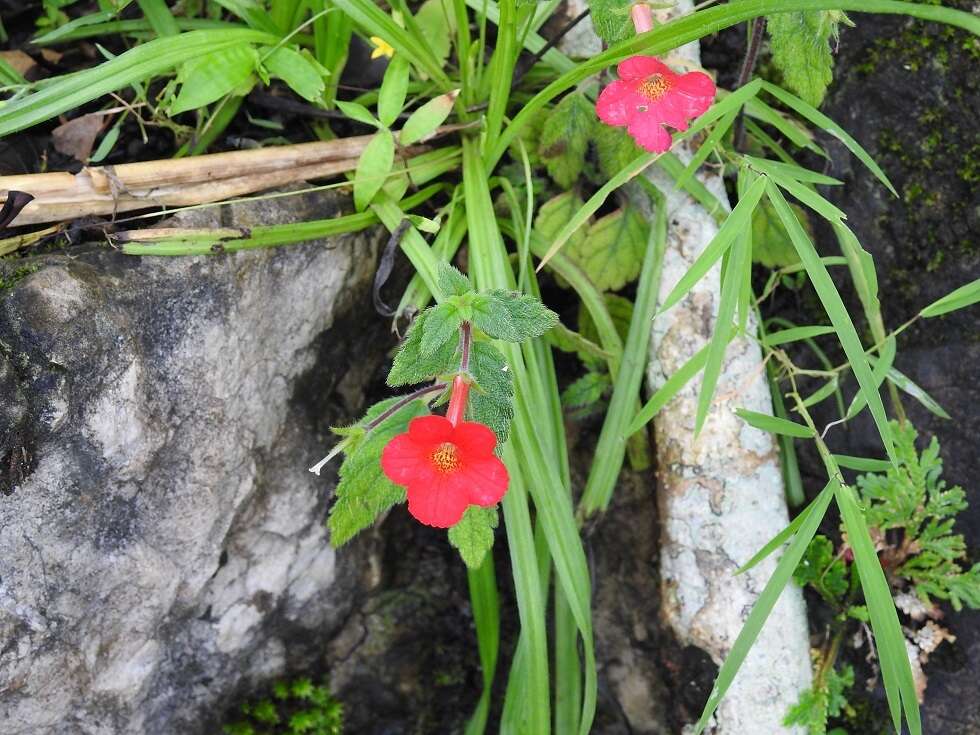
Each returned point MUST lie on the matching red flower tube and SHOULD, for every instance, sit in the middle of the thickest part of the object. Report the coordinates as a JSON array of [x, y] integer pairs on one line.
[[648, 95]]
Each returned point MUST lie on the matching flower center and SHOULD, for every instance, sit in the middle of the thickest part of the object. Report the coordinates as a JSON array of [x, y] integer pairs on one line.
[[446, 457], [653, 88]]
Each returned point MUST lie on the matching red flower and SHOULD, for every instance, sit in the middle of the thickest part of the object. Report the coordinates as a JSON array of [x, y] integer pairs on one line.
[[648, 95], [446, 467]]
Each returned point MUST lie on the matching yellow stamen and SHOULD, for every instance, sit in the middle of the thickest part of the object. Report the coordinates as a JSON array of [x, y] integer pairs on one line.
[[653, 88], [446, 457]]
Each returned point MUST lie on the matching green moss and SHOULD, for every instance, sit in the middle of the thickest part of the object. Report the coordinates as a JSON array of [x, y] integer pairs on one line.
[[296, 707], [10, 277]]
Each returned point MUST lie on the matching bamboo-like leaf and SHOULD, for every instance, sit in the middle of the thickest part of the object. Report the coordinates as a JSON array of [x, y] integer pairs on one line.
[[962, 297], [764, 605], [825, 123], [486, 616], [795, 334], [159, 17], [681, 377], [862, 464], [706, 148], [892, 653], [150, 59], [739, 219], [907, 385], [774, 425], [837, 312]]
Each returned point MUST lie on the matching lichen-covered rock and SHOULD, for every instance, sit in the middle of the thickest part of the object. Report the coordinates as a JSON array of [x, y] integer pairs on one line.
[[162, 544]]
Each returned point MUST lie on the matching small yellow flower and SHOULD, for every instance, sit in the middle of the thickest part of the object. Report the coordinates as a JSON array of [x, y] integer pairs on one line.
[[381, 48]]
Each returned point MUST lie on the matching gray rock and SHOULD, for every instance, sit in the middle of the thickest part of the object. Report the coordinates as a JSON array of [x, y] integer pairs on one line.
[[162, 545]]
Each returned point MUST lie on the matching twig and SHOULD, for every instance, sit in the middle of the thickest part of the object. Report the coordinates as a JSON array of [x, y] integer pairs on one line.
[[748, 66]]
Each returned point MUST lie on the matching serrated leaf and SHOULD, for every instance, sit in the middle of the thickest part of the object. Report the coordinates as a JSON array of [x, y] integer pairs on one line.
[[615, 149], [611, 253], [554, 214], [441, 329], [771, 245], [297, 71], [800, 44], [452, 282], [208, 78], [585, 391], [565, 138], [620, 312], [511, 316], [411, 367], [611, 19], [363, 492], [492, 399], [473, 535], [373, 168]]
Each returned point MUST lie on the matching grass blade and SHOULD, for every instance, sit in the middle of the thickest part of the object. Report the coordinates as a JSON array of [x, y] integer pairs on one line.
[[681, 377], [774, 425], [958, 299], [159, 16], [486, 616], [795, 334], [823, 122], [895, 669], [862, 464], [834, 306], [737, 221]]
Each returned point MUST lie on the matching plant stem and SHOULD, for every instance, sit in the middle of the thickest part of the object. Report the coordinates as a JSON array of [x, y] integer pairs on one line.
[[404, 401], [745, 73]]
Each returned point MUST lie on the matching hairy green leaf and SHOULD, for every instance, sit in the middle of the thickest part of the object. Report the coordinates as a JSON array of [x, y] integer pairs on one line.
[[801, 50], [611, 253], [565, 138], [473, 535], [410, 366]]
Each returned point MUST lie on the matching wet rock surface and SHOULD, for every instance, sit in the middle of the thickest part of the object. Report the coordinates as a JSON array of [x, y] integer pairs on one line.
[[161, 542]]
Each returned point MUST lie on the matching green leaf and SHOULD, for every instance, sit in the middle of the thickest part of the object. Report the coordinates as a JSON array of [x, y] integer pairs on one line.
[[763, 606], [774, 425], [492, 401], [795, 334], [615, 149], [452, 282], [737, 220], [862, 464], [611, 19], [358, 112], [437, 21], [555, 213], [426, 119], [208, 78], [394, 88], [473, 535], [785, 535], [823, 570], [296, 70], [620, 313], [962, 297], [825, 123], [363, 492], [611, 253], [771, 245], [681, 377], [565, 138], [907, 385], [801, 50], [834, 306], [895, 669], [373, 168], [441, 328], [512, 317], [586, 391], [410, 366]]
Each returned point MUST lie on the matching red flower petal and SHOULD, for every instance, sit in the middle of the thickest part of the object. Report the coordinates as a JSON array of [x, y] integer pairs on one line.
[[430, 429], [649, 134], [439, 503], [616, 103], [405, 460], [638, 68], [474, 439], [695, 91], [486, 481]]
